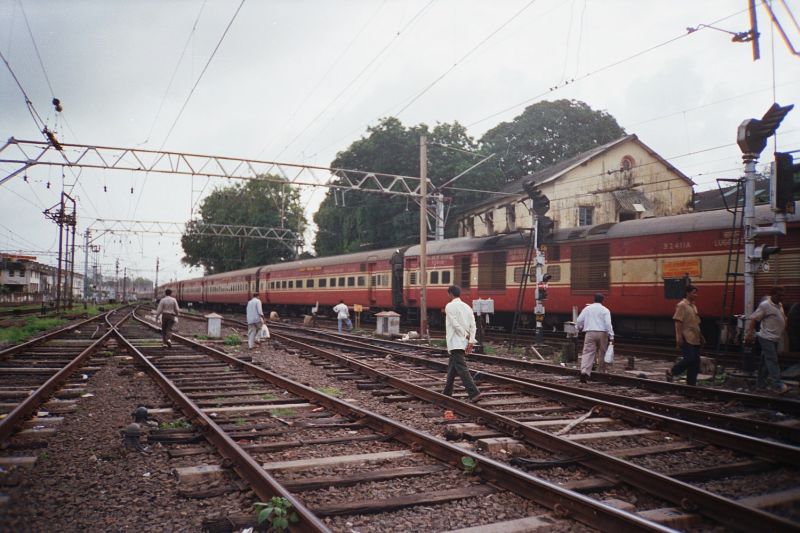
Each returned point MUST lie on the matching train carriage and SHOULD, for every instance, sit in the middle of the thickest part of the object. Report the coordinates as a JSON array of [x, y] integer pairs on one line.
[[641, 266]]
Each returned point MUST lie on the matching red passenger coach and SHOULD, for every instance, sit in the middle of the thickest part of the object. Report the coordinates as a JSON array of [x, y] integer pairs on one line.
[[364, 278]]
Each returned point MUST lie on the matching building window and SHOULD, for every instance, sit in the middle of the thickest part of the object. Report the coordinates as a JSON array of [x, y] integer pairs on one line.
[[585, 216], [511, 217]]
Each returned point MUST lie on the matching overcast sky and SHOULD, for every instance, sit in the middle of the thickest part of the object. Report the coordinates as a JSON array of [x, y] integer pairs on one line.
[[298, 80]]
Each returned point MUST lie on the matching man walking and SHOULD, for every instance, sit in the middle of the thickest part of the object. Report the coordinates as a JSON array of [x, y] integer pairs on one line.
[[255, 319], [688, 337], [343, 315], [460, 332], [773, 321], [169, 311], [595, 320]]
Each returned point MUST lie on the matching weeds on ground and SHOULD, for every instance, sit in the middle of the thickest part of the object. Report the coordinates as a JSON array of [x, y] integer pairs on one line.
[[44, 456], [469, 464], [175, 424], [241, 421], [488, 349], [268, 396], [233, 340], [717, 380], [201, 337], [277, 512], [281, 411], [330, 391], [33, 325], [439, 343]]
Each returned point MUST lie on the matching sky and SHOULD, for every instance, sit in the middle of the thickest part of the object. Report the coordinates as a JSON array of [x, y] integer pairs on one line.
[[297, 81]]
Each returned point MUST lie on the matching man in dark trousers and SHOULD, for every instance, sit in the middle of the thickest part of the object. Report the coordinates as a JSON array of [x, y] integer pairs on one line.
[[773, 323], [460, 333], [687, 337], [169, 311]]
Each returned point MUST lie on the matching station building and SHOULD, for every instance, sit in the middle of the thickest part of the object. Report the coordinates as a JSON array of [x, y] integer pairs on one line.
[[621, 180]]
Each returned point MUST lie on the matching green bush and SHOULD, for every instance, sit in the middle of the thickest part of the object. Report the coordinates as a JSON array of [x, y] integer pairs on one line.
[[233, 340]]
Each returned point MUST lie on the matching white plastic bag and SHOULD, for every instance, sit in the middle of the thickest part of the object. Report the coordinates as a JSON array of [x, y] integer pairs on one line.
[[263, 333], [609, 356]]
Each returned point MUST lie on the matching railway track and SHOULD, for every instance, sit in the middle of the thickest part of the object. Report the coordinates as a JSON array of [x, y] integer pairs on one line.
[[611, 445], [335, 461]]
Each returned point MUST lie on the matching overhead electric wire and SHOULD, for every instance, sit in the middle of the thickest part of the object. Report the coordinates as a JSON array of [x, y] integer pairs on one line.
[[361, 73], [174, 73], [324, 77], [599, 70], [189, 96], [466, 55], [28, 103], [36, 48]]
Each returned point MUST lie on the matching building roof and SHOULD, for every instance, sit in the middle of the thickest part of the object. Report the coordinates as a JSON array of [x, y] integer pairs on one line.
[[557, 170], [723, 197]]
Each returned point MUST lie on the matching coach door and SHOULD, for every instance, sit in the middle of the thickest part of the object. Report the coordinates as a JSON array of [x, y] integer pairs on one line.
[[371, 283]]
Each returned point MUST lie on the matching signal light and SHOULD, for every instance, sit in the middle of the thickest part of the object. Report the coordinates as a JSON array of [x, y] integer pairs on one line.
[[546, 277], [763, 252], [544, 228], [785, 186], [541, 293]]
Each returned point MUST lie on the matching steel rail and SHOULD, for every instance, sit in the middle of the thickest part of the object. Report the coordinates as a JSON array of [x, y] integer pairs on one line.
[[262, 483], [40, 395], [684, 495], [563, 502]]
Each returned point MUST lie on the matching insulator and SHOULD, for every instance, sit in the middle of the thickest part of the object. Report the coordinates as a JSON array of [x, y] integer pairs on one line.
[[48, 184]]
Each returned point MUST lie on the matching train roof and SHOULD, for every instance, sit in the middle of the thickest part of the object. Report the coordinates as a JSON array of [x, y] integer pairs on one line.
[[383, 254], [705, 220]]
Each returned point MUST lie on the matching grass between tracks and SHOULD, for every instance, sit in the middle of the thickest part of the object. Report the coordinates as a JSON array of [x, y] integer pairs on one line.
[[23, 329]]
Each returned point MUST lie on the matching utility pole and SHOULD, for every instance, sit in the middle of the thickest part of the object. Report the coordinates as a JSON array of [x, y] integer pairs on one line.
[[155, 286], [423, 236], [116, 281], [124, 283], [86, 265]]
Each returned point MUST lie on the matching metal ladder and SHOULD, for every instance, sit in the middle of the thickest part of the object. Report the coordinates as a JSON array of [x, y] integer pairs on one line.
[[735, 247], [530, 254]]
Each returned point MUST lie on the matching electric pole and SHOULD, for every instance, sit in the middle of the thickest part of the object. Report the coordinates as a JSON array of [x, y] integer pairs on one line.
[[116, 281], [155, 286], [423, 236], [124, 283]]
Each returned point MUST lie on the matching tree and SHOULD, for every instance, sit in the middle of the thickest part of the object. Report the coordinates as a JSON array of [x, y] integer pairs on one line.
[[355, 221], [258, 202], [546, 133]]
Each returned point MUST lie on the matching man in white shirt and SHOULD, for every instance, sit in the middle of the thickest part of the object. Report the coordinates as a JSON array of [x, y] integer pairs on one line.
[[343, 315], [169, 311], [773, 322], [255, 319], [460, 332], [595, 320]]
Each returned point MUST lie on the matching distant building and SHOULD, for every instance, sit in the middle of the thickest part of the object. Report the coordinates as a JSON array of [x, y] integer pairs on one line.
[[621, 180], [726, 197]]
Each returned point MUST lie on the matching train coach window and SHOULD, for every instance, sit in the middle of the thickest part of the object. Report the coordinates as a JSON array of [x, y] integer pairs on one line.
[[341, 282], [553, 253], [446, 277], [518, 275], [309, 284], [299, 283], [333, 282], [351, 281], [434, 277], [291, 284], [412, 278], [374, 280], [323, 282], [362, 281], [555, 272], [283, 284]]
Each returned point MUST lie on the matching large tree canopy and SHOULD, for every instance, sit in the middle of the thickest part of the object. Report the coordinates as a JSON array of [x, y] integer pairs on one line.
[[546, 133], [357, 221], [259, 202]]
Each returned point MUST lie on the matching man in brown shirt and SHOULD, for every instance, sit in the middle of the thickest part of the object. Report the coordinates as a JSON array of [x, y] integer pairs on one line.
[[168, 310], [687, 337]]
